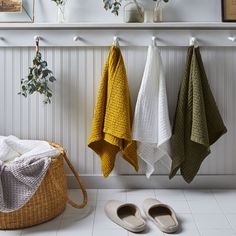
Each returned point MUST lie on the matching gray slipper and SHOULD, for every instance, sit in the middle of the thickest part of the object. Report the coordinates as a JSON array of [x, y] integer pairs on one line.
[[126, 215], [161, 214]]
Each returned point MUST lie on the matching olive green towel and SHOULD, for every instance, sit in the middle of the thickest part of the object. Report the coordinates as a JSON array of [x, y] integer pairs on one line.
[[197, 123]]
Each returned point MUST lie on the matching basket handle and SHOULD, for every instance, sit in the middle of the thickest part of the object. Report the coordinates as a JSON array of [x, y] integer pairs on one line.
[[83, 189]]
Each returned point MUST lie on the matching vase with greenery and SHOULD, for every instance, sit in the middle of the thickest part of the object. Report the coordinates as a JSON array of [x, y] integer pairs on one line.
[[133, 12], [38, 79], [158, 11], [115, 5], [60, 10]]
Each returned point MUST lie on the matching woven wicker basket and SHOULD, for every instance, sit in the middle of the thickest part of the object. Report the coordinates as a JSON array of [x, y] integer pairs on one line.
[[49, 200]]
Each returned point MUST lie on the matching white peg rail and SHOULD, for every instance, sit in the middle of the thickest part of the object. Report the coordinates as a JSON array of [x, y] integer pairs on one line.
[[74, 35]]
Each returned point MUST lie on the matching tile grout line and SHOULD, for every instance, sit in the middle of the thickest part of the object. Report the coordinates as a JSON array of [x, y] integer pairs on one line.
[[185, 197], [155, 194], [222, 211], [62, 217], [95, 210], [60, 223]]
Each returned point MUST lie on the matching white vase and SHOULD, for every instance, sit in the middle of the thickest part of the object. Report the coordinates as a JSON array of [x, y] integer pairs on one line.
[[158, 12], [61, 13], [133, 12]]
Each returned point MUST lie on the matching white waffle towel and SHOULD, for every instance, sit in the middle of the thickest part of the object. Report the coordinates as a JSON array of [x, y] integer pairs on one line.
[[23, 166], [151, 127]]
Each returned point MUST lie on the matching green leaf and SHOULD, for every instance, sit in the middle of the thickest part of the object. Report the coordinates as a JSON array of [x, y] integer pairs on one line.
[[45, 73], [52, 79], [30, 76], [44, 64], [35, 61]]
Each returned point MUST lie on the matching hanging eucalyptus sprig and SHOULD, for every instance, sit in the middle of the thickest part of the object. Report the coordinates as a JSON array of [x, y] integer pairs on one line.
[[38, 78]]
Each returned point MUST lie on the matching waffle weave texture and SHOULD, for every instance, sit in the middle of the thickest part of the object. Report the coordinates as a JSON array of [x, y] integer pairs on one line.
[[112, 122], [198, 123]]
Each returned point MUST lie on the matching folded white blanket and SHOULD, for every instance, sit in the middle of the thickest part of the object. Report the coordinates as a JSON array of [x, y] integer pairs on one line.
[[12, 149], [151, 127], [6, 152], [22, 170]]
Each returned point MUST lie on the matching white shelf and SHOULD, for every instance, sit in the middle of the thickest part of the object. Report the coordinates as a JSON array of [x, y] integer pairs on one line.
[[101, 34], [90, 25]]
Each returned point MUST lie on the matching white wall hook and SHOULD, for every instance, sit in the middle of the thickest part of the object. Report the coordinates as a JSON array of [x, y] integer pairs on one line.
[[37, 38], [76, 38], [154, 39], [116, 40], [231, 38], [192, 41]]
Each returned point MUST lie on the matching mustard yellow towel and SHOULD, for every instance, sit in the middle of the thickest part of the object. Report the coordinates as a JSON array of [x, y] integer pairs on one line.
[[112, 122]]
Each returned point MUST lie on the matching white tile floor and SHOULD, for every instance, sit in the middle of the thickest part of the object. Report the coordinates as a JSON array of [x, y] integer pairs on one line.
[[200, 212]]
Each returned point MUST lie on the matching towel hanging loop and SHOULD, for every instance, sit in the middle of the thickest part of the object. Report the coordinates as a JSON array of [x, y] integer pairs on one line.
[[37, 38], [116, 41]]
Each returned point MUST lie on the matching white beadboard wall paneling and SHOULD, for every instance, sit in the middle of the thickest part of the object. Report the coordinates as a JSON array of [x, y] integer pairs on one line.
[[78, 70], [99, 58], [24, 115], [2, 91], [89, 103], [50, 118], [73, 118], [82, 111]]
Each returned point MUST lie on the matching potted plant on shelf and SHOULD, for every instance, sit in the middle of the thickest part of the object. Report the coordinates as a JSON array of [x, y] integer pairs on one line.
[[133, 10]]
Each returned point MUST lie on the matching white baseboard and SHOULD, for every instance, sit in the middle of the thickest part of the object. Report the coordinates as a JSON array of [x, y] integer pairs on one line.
[[139, 181]]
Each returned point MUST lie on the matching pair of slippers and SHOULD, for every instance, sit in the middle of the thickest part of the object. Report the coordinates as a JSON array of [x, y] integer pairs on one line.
[[128, 215]]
